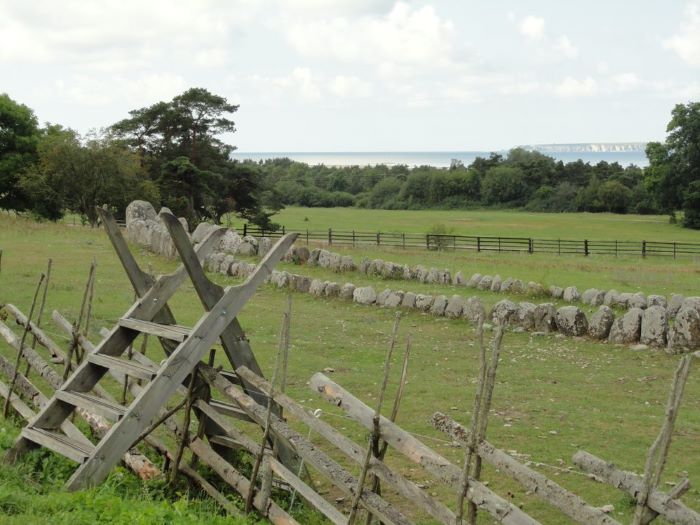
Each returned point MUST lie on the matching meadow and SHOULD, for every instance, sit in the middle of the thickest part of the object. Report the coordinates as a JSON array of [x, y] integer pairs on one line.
[[553, 396], [594, 226]]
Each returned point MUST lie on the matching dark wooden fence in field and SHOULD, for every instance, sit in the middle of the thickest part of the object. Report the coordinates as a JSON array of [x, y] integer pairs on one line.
[[484, 243]]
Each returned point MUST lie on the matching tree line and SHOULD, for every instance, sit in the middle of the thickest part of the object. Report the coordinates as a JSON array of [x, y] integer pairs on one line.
[[172, 154]]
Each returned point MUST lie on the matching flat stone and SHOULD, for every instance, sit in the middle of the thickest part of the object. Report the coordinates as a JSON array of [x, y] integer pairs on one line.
[[571, 294], [600, 323], [439, 305], [409, 300], [571, 321], [474, 309], [347, 291], [455, 307], [684, 334], [424, 302], [627, 329], [654, 326], [364, 295]]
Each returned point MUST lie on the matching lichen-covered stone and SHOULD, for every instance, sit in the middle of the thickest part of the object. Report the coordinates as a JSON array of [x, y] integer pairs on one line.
[[684, 334], [600, 323], [455, 307], [364, 295], [654, 326], [571, 321], [627, 329]]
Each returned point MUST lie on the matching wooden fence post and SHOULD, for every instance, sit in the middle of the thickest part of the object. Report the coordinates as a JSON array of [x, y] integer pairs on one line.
[[378, 239], [330, 236], [307, 236], [403, 240], [644, 249], [353, 238], [283, 230], [615, 248], [558, 246], [585, 247], [529, 245], [245, 229], [674, 249], [478, 243]]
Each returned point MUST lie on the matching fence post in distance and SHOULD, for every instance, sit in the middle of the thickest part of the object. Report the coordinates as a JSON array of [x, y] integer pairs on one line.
[[644, 249], [330, 236]]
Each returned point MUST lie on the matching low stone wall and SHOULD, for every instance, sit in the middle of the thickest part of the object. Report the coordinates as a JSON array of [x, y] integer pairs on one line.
[[144, 228], [649, 327], [394, 271], [652, 321]]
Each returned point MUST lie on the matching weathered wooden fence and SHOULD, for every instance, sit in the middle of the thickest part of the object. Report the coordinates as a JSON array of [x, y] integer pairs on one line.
[[486, 243]]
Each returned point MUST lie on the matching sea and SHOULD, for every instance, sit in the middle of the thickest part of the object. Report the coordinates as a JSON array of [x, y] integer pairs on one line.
[[440, 159]]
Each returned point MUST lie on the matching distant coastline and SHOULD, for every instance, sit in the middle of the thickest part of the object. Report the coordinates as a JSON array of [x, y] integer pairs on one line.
[[624, 153]]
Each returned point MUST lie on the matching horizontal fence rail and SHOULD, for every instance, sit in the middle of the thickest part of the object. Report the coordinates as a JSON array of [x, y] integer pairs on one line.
[[482, 243]]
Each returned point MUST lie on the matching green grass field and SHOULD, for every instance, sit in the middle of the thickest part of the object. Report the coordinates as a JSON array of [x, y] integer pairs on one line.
[[594, 226], [553, 395]]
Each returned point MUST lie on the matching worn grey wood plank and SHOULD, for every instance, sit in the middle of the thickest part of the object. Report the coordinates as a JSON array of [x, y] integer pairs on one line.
[[107, 409], [538, 484], [348, 447], [175, 369], [86, 377], [419, 453], [130, 368], [59, 443], [172, 332], [330, 469], [631, 483]]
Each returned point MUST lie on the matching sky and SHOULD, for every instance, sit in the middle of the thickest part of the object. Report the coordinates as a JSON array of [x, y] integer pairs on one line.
[[364, 75]]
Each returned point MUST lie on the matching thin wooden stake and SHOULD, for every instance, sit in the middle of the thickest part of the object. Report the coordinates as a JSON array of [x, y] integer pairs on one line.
[[658, 452], [185, 434], [74, 347], [20, 352], [485, 409], [281, 350], [376, 483], [476, 413], [374, 436], [41, 311]]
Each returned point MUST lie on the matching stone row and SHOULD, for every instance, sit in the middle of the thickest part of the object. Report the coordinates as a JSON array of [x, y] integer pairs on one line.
[[390, 270], [650, 326]]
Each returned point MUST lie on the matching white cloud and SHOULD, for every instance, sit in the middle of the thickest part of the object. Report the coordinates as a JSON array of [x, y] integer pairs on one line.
[[686, 43], [532, 27], [564, 46], [626, 81], [571, 87], [301, 82], [349, 87], [404, 36], [114, 36], [140, 90]]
